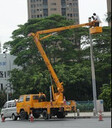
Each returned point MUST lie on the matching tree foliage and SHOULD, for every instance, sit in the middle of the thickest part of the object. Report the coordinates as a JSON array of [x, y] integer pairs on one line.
[[106, 96], [108, 17], [2, 98]]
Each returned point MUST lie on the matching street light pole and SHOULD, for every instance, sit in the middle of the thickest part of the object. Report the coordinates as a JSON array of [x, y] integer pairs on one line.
[[93, 75], [5, 53], [51, 89]]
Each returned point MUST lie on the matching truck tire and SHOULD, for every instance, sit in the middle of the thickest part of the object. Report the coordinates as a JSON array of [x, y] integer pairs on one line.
[[60, 115], [23, 115], [14, 117], [36, 113], [45, 115]]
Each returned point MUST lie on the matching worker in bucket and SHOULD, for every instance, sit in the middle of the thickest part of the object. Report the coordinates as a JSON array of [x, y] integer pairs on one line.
[[97, 19]]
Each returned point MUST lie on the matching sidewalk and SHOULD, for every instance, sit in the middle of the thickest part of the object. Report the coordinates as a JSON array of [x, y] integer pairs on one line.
[[88, 115]]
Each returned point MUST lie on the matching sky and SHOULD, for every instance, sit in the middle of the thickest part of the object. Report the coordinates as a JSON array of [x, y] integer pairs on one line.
[[14, 13]]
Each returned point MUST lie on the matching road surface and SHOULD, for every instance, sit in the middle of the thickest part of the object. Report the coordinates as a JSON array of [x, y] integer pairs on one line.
[[58, 123]]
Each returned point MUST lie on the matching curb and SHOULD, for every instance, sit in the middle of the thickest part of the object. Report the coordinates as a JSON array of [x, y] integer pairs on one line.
[[84, 117]]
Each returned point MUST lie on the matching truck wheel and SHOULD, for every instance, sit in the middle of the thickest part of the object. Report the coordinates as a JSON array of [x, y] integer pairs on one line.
[[23, 115], [36, 114], [45, 115], [14, 117], [60, 115]]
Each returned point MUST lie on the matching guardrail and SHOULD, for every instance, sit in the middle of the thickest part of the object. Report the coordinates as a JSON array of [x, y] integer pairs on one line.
[[85, 106]]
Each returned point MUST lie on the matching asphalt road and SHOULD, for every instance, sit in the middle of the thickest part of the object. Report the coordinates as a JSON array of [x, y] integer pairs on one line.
[[57, 123]]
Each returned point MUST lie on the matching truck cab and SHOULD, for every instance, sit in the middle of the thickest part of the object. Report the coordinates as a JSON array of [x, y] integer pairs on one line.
[[26, 105]]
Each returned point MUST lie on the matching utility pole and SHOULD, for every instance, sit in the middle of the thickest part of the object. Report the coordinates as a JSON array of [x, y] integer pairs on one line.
[[93, 73], [5, 56], [0, 48], [51, 89]]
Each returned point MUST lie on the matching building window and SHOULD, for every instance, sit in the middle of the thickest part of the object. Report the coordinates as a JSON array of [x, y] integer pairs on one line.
[[53, 3], [75, 4], [75, 9], [2, 63], [33, 11], [45, 12], [38, 0], [37, 16], [77, 20], [1, 74], [8, 73], [70, 4], [53, 9], [45, 2], [76, 14], [40, 15], [63, 11], [70, 15], [63, 2], [33, 6], [1, 86]]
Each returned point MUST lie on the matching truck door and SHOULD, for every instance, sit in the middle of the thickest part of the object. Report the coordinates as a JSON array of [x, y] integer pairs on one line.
[[20, 104], [27, 103]]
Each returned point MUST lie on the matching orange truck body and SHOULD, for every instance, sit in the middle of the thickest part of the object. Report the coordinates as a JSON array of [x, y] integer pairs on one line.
[[39, 107]]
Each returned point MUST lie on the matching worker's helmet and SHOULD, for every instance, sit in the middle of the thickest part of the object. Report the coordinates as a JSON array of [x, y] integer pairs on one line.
[[94, 14]]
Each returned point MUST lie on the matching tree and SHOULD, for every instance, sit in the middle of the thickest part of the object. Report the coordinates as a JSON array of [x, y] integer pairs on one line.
[[106, 96], [108, 17], [2, 98], [77, 81]]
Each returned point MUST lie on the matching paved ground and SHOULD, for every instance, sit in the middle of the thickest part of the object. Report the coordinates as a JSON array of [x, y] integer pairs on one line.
[[84, 120], [57, 123], [89, 115]]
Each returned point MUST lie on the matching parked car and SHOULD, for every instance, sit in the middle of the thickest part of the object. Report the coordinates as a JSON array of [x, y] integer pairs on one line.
[[9, 110]]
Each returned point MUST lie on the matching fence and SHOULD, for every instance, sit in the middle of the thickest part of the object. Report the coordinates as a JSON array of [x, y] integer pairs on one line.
[[85, 106]]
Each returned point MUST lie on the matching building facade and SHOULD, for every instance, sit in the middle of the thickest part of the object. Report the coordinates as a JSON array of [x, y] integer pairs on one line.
[[6, 65], [44, 8], [109, 8], [109, 5]]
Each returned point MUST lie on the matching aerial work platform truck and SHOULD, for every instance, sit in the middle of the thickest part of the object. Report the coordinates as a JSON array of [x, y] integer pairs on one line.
[[57, 106]]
